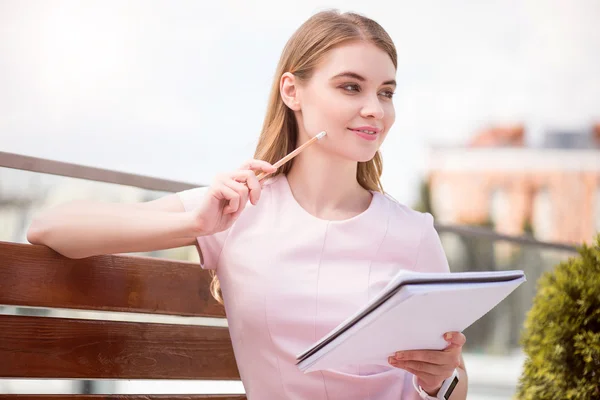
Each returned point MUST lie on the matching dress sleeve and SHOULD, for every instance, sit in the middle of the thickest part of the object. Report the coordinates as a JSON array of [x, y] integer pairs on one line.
[[430, 255], [209, 246]]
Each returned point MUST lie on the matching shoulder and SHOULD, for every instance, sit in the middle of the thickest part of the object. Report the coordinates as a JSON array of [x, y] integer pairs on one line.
[[404, 217], [417, 230]]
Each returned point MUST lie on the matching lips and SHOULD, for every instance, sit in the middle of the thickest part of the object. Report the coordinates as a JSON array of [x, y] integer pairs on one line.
[[366, 129], [366, 132]]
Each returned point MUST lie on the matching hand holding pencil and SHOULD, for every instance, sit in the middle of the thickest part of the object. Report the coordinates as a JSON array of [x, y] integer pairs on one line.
[[229, 193]]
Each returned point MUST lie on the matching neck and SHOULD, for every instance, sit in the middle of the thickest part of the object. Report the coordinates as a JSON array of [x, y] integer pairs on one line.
[[326, 186]]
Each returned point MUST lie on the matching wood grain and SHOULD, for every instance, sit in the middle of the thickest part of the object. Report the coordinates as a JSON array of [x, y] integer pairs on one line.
[[38, 276], [42, 347]]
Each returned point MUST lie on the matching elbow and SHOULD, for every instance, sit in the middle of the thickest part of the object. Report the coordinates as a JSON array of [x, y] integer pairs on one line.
[[40, 232], [37, 231]]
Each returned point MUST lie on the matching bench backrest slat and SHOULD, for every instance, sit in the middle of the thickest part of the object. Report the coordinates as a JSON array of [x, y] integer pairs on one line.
[[45, 347], [37, 276]]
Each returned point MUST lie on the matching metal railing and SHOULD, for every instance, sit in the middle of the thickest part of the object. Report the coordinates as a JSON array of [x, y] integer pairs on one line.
[[480, 232], [46, 166]]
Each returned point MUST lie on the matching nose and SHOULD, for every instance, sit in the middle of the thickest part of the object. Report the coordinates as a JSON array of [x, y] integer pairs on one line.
[[372, 108]]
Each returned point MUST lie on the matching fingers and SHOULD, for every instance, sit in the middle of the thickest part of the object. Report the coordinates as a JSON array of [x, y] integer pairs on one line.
[[232, 197], [430, 376], [259, 165], [242, 192], [455, 339], [425, 367], [239, 186], [233, 192], [247, 175], [252, 184], [435, 364], [449, 356], [432, 366], [426, 380], [427, 356]]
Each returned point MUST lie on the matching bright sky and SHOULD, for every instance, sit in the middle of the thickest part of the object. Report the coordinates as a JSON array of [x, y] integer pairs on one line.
[[177, 89]]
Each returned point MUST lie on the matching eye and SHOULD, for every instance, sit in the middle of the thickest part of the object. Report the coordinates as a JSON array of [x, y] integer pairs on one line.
[[351, 87], [387, 93]]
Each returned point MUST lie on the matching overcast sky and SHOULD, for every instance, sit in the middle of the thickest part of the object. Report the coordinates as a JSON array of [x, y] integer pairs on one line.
[[177, 89]]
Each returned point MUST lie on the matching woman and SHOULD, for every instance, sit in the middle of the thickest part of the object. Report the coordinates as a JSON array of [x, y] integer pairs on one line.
[[318, 239]]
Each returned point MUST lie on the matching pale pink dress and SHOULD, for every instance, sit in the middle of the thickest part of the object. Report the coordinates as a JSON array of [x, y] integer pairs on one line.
[[288, 278]]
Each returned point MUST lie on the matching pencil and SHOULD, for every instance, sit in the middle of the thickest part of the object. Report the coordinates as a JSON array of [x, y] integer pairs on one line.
[[294, 153]]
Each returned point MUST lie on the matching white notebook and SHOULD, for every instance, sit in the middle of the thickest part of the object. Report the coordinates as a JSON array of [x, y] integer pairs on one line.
[[412, 312]]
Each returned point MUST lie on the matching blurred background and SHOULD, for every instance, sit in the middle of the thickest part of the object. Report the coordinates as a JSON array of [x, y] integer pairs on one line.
[[497, 132]]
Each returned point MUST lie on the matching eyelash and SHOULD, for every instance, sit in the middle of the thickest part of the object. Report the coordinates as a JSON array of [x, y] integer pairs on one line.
[[356, 88]]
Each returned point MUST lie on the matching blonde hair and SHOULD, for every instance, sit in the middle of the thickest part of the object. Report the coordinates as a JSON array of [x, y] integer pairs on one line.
[[301, 55]]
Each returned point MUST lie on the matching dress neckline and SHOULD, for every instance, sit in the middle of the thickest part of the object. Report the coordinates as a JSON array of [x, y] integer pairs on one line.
[[282, 180]]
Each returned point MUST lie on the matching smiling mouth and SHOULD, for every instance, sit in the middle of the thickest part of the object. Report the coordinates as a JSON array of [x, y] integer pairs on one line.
[[366, 131]]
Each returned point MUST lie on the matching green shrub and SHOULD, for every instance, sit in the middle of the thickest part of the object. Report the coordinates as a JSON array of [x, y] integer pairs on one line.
[[561, 339]]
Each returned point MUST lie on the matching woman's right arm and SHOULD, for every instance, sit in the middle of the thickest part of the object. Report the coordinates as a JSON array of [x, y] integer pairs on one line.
[[82, 228]]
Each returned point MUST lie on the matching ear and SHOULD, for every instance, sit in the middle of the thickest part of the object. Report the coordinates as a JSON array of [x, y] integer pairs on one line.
[[288, 88]]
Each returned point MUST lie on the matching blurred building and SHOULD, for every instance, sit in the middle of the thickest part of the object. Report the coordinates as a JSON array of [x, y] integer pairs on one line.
[[552, 190]]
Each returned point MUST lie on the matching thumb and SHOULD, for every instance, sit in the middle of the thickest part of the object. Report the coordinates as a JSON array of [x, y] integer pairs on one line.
[[455, 339]]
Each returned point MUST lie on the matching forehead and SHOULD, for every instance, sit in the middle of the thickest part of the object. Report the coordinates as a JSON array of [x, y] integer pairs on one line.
[[361, 57]]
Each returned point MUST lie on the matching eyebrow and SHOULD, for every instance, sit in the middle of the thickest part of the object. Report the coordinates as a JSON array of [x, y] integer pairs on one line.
[[360, 78]]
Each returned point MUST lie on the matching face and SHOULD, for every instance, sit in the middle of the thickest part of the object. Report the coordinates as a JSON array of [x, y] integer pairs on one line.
[[350, 97]]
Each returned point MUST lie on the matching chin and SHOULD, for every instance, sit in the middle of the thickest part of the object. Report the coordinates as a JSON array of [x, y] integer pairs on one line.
[[352, 152], [366, 159], [362, 156]]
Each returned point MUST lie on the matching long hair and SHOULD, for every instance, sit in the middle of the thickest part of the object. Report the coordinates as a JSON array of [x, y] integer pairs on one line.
[[301, 54]]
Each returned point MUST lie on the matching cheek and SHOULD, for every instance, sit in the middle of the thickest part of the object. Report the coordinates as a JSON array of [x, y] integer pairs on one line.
[[328, 112], [389, 116]]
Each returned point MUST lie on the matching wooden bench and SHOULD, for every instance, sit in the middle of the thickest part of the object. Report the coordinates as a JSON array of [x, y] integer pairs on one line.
[[49, 347]]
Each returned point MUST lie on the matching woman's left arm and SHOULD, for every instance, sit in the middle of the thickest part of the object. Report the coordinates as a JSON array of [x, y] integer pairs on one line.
[[432, 367]]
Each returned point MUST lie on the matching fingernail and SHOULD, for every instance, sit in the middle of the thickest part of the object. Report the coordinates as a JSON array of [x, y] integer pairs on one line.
[[399, 356], [448, 336]]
